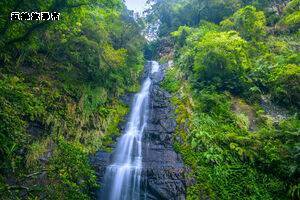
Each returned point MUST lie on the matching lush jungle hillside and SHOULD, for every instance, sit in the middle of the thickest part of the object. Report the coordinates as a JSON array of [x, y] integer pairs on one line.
[[60, 86], [235, 83]]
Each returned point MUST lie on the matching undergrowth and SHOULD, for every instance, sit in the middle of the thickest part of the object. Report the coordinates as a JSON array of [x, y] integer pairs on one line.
[[227, 160]]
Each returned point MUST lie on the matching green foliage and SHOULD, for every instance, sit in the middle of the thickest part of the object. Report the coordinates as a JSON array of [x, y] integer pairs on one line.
[[173, 14], [227, 62], [251, 24], [171, 82], [150, 50], [17, 106], [63, 80], [186, 53], [113, 116], [238, 155], [70, 166], [292, 6], [181, 34], [286, 88], [228, 161], [291, 21], [37, 150], [222, 59]]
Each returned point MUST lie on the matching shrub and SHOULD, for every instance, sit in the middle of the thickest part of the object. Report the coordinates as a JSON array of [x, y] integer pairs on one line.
[[221, 60], [286, 86], [17, 107], [70, 166], [250, 23]]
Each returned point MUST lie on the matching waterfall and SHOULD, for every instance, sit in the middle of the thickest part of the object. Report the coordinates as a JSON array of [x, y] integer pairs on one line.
[[122, 177], [155, 67]]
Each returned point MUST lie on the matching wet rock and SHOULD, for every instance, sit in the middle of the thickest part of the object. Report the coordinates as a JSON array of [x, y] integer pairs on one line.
[[163, 174], [276, 113], [99, 161], [127, 99], [36, 128]]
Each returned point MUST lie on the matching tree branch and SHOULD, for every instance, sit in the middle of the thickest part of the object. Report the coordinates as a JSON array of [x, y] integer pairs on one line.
[[35, 173], [17, 187]]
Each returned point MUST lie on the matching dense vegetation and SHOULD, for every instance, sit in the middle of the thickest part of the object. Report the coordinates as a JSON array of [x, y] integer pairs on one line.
[[229, 58], [235, 84], [60, 86]]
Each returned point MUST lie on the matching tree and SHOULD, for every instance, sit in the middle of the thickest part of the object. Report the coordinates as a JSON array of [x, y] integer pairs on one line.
[[250, 23], [20, 31], [221, 59]]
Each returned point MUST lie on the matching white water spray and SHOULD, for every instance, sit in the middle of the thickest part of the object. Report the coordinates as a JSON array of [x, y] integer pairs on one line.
[[155, 67], [122, 178]]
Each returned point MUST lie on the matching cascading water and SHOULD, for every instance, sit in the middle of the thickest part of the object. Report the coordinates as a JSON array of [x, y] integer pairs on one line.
[[155, 67], [122, 177]]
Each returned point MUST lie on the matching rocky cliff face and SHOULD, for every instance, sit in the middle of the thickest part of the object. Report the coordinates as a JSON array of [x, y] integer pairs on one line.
[[163, 173]]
